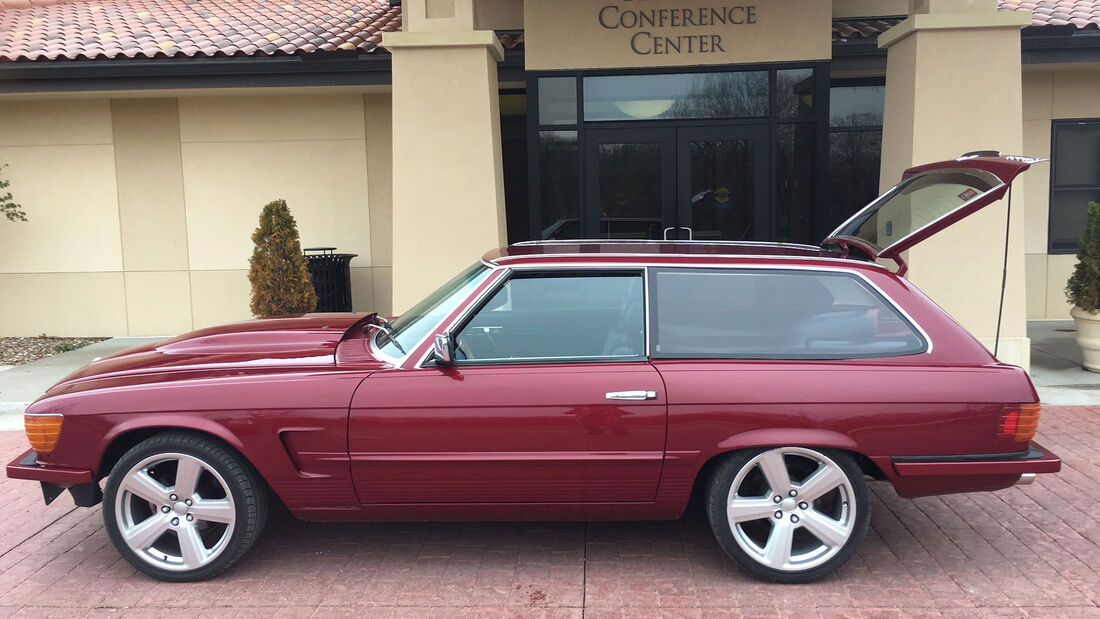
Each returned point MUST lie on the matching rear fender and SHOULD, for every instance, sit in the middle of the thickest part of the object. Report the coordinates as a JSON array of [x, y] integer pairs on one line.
[[783, 437]]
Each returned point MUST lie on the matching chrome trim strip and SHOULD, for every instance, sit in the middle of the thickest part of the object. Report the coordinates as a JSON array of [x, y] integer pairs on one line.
[[655, 259], [662, 242]]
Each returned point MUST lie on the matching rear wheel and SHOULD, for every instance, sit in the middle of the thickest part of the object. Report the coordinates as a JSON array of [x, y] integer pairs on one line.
[[182, 507], [789, 514]]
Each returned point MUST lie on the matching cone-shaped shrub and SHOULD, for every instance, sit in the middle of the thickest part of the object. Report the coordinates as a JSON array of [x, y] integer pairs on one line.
[[280, 280], [1083, 287]]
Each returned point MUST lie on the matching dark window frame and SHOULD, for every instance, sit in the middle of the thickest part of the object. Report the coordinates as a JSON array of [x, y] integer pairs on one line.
[[822, 83], [1055, 124], [655, 309]]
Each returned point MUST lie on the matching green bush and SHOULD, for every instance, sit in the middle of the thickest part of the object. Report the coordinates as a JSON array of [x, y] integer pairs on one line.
[[8, 207], [280, 280], [1083, 287]]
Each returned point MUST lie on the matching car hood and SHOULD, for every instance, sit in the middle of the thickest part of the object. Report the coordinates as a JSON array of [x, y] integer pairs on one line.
[[284, 343]]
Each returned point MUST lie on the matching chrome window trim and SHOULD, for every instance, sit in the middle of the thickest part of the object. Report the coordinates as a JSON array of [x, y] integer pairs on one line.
[[882, 293], [641, 269], [890, 193], [645, 268], [397, 362]]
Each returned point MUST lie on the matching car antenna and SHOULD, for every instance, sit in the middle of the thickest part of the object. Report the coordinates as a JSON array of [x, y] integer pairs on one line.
[[1004, 273]]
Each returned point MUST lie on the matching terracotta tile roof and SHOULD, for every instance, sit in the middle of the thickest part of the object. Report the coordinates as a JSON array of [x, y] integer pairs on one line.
[[90, 29], [1080, 13], [94, 29], [861, 29]]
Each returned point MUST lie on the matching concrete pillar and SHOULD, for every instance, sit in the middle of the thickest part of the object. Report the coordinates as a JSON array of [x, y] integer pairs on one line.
[[448, 183], [953, 85]]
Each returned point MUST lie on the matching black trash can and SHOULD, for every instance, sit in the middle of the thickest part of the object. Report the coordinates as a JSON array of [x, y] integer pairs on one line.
[[331, 278]]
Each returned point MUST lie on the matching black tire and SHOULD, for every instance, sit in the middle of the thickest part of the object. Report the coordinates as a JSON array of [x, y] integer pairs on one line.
[[226, 487], [747, 542]]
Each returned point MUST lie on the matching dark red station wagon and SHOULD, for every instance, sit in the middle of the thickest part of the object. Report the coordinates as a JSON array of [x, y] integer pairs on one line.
[[568, 380]]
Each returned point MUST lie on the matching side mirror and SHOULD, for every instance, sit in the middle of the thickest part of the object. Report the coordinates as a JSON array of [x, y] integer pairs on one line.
[[444, 349]]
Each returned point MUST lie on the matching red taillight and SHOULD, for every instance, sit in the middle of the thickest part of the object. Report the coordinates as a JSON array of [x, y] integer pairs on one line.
[[1018, 422]]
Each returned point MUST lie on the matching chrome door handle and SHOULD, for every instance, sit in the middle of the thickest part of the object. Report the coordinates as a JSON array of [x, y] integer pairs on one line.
[[631, 395]]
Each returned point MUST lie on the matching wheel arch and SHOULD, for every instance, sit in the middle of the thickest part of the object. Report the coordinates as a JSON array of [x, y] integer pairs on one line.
[[123, 438], [125, 435], [759, 439]]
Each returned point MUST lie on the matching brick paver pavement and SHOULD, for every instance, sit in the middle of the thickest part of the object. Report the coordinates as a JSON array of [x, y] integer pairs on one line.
[[1031, 551]]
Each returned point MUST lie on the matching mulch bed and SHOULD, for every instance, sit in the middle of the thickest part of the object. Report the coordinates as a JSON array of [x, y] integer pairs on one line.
[[19, 350]]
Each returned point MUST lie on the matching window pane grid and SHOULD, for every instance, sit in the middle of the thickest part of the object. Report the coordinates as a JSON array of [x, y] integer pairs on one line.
[[1075, 172]]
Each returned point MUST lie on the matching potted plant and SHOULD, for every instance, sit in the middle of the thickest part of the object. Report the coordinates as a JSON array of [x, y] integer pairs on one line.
[[1083, 290]]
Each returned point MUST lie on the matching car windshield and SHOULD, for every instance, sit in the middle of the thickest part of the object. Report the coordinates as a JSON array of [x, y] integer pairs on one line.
[[413, 325]]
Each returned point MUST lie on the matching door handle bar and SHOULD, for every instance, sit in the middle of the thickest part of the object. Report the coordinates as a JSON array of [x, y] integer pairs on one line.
[[631, 395]]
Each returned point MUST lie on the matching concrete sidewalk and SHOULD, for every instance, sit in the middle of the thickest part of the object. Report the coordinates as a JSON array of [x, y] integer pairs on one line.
[[22, 384]]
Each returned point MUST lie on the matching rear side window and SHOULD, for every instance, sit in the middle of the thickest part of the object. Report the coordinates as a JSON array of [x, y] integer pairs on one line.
[[774, 314]]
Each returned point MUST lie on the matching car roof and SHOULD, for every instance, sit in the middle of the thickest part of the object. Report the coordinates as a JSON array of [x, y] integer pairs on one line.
[[660, 252]]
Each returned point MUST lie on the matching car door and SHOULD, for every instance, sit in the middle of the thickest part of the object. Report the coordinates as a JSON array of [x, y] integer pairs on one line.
[[550, 399]]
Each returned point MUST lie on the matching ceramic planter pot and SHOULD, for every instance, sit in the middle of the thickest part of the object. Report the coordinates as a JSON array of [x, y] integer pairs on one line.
[[1088, 336]]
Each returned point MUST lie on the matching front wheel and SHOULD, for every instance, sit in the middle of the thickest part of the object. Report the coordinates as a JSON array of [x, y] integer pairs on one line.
[[789, 514], [181, 507]]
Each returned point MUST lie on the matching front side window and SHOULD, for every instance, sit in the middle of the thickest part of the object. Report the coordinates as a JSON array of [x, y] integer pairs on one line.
[[558, 317], [774, 314]]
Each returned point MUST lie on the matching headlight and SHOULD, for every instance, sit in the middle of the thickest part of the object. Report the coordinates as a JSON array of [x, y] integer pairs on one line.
[[43, 430]]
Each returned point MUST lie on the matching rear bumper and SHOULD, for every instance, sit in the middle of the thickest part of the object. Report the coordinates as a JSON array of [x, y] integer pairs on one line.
[[1035, 460], [55, 480], [928, 475]]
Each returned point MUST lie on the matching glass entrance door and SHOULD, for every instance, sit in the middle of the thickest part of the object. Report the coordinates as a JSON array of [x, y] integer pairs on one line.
[[631, 188], [702, 183], [722, 185]]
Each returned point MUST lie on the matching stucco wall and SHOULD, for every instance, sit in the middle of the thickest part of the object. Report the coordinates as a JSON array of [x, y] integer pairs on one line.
[[141, 209], [1072, 92]]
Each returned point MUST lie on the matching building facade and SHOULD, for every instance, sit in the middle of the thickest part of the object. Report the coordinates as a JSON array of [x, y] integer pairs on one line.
[[143, 142]]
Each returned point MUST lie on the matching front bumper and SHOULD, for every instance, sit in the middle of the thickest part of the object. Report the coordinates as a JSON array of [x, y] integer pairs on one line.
[[79, 482]]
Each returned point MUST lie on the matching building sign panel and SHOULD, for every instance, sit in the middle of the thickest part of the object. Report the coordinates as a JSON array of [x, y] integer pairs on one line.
[[581, 34]]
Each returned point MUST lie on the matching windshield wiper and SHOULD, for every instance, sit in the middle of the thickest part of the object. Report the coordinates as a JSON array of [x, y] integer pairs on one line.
[[386, 327]]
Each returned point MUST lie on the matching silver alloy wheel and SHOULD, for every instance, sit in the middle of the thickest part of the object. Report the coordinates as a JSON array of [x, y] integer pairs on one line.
[[804, 496], [175, 511]]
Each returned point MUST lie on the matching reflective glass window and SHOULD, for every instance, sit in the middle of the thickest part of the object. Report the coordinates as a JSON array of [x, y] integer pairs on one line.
[[1075, 181], [682, 95], [557, 100], [794, 95], [559, 178], [856, 106]]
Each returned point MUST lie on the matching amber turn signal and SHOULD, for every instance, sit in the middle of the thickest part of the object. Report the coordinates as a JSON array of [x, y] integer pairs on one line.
[[1018, 422], [43, 431]]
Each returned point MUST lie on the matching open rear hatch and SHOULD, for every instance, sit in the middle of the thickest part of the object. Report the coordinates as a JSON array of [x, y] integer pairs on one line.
[[928, 199]]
